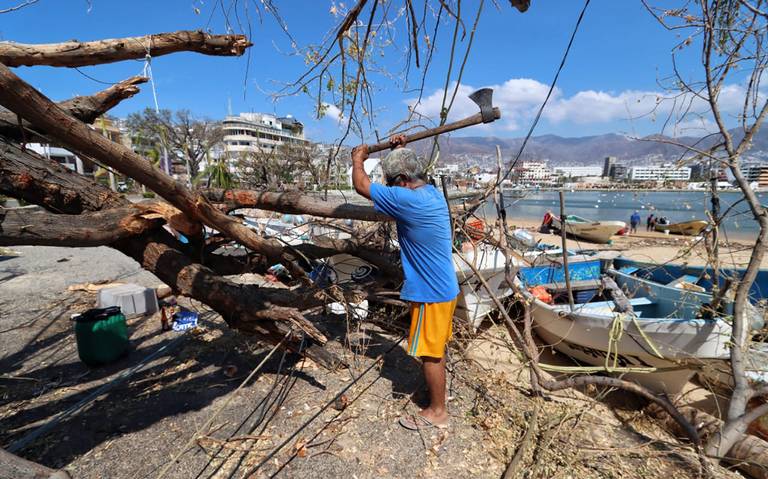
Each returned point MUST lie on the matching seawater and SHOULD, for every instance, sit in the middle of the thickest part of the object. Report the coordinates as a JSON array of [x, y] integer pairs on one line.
[[678, 206]]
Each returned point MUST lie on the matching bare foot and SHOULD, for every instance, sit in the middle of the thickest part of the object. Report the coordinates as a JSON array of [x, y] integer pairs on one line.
[[438, 418]]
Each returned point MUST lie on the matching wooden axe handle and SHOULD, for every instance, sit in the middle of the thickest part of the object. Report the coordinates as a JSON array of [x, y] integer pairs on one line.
[[456, 125]]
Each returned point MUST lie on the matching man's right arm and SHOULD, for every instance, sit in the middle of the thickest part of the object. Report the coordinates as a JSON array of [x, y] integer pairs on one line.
[[360, 179]]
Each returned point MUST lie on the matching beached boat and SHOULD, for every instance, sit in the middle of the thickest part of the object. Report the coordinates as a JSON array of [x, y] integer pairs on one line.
[[594, 231], [475, 302], [661, 346], [688, 228], [698, 275]]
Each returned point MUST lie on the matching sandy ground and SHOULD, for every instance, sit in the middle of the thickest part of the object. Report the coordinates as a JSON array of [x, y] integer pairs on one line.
[[653, 246], [137, 429]]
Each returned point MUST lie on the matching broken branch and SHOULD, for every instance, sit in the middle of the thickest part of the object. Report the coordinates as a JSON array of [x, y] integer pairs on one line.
[[78, 54]]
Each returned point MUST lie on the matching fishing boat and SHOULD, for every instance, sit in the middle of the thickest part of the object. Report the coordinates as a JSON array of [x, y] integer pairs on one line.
[[698, 275], [688, 228], [660, 344], [594, 231], [475, 303]]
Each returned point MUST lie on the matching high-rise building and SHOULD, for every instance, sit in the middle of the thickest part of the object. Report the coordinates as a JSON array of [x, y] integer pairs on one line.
[[260, 133], [607, 165], [665, 172]]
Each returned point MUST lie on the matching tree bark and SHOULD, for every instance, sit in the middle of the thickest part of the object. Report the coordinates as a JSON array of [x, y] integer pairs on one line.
[[85, 108], [78, 54], [748, 453], [26, 175], [40, 228], [293, 203]]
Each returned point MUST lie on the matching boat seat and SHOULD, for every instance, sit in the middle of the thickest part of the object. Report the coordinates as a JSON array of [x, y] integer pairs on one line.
[[628, 269], [579, 285], [641, 301], [687, 278]]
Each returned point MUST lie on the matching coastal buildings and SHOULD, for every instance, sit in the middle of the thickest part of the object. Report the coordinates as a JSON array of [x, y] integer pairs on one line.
[[608, 166], [535, 172], [756, 173], [578, 171], [260, 133], [663, 172]]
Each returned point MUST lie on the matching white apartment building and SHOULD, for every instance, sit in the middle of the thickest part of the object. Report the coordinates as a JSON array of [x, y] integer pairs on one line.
[[535, 171], [578, 171], [665, 172], [260, 133]]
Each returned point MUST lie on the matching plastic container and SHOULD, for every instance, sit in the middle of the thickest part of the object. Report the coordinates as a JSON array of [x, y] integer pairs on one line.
[[101, 334]]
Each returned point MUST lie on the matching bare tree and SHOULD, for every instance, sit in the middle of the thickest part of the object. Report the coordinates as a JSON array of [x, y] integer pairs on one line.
[[185, 138]]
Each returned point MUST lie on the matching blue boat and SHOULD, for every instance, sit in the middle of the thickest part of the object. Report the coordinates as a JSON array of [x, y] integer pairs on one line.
[[699, 275]]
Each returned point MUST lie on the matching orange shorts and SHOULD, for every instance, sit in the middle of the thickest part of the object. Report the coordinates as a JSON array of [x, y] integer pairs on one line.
[[431, 328]]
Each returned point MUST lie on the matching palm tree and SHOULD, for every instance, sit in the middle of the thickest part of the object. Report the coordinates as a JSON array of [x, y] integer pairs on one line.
[[217, 174]]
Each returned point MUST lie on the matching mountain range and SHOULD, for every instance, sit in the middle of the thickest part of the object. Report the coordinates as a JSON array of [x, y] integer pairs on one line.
[[586, 150]]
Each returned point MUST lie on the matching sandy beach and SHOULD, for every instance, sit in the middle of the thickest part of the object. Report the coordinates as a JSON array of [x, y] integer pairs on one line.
[[652, 246]]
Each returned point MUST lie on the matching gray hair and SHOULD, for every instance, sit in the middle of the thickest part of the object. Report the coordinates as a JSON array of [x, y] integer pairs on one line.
[[403, 162]]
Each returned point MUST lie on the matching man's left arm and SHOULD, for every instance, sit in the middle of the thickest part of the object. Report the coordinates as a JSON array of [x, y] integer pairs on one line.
[[360, 179]]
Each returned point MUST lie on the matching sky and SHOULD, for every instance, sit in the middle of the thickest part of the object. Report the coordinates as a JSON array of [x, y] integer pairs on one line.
[[610, 84]]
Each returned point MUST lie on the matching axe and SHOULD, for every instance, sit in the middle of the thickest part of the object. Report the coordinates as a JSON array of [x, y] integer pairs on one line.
[[488, 113]]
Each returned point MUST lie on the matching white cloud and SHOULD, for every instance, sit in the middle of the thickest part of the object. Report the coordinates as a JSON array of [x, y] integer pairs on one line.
[[520, 98], [332, 112]]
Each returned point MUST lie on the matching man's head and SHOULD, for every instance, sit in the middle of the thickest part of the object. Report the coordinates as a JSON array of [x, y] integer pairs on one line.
[[402, 166]]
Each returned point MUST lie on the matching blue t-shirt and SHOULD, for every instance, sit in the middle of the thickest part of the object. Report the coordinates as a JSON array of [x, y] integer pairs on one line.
[[635, 218], [424, 233]]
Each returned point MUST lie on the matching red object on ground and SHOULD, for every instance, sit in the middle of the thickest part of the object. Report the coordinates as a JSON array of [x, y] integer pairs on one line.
[[623, 231], [541, 293]]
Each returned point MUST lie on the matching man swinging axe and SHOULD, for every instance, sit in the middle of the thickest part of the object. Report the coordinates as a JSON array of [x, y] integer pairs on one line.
[[424, 233]]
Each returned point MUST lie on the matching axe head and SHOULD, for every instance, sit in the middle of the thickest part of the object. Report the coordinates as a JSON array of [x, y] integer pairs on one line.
[[484, 99]]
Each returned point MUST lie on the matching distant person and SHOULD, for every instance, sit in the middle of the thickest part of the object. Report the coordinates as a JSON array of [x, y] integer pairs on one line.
[[649, 223], [654, 220], [546, 222], [634, 220]]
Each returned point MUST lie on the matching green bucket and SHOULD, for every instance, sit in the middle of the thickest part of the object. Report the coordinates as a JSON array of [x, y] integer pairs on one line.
[[101, 334]]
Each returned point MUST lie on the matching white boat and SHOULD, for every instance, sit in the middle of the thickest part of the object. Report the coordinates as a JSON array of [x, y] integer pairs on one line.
[[475, 303], [664, 340], [594, 231]]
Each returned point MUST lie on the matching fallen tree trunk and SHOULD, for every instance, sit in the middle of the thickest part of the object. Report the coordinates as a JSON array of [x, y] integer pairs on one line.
[[85, 108], [749, 453], [266, 313], [40, 228], [15, 467], [78, 54], [23, 99], [28, 176], [293, 203]]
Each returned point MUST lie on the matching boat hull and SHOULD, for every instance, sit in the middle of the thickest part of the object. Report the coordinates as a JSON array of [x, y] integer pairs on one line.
[[593, 231], [684, 344], [688, 228], [475, 303], [668, 272]]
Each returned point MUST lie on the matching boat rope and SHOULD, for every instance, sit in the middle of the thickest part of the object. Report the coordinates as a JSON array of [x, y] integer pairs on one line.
[[615, 334]]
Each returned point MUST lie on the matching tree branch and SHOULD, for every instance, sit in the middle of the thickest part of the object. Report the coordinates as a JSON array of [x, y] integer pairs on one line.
[[85, 108], [78, 54], [41, 228], [292, 203]]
